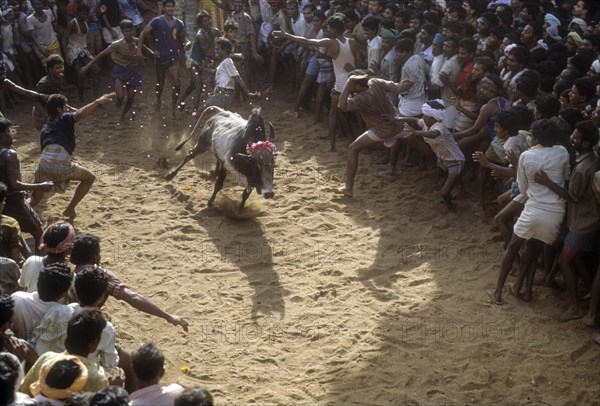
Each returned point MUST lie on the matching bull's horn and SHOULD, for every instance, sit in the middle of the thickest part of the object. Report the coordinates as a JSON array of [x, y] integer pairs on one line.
[[271, 132]]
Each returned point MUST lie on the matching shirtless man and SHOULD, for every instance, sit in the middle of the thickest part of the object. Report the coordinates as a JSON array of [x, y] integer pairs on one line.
[[343, 51], [16, 205], [125, 73]]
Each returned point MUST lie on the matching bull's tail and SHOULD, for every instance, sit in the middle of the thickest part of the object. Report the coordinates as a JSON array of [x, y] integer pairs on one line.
[[208, 110]]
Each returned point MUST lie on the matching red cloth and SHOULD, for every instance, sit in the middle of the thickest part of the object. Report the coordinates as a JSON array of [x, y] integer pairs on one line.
[[462, 75]]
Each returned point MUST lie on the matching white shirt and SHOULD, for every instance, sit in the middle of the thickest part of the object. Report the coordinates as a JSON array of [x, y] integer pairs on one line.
[[444, 146], [51, 333], [225, 73], [43, 33], [374, 51], [451, 68], [155, 395], [552, 160], [30, 273], [415, 71], [299, 26], [29, 310]]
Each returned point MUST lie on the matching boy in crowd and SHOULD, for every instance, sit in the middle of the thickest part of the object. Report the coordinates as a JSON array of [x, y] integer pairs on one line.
[[169, 37], [8, 342], [10, 233], [148, 364], [83, 335], [125, 72], [583, 218], [53, 283], [450, 158], [543, 212]]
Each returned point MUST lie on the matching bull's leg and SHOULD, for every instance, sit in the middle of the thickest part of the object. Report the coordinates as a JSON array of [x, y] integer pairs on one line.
[[219, 184], [192, 153], [245, 195]]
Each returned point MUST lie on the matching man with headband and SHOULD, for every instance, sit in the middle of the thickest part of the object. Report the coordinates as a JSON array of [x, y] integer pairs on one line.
[[432, 131], [57, 239]]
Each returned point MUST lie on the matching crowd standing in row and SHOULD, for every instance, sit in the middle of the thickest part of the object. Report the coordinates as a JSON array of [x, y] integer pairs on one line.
[[502, 95]]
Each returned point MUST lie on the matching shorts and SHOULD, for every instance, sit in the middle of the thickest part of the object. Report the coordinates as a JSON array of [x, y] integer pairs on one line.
[[543, 226], [220, 99], [61, 173], [388, 142], [325, 72], [93, 35], [313, 66], [582, 242], [18, 208], [107, 34], [454, 168]]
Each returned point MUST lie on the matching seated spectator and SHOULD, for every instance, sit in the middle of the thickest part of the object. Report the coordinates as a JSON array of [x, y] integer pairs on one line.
[[83, 335], [53, 284], [194, 397], [11, 373], [148, 364], [9, 276], [111, 396], [91, 287], [57, 239], [60, 378], [8, 342]]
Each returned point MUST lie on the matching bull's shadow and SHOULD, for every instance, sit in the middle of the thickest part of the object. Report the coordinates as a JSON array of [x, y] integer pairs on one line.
[[243, 245]]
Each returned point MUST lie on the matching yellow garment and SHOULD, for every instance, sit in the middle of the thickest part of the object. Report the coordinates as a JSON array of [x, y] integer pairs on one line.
[[53, 49], [40, 386]]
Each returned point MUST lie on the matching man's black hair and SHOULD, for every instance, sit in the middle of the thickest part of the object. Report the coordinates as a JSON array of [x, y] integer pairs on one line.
[[85, 249], [147, 362], [337, 23], [224, 44], [523, 116], [588, 131], [468, 44], [54, 281], [521, 54], [91, 284], [507, 119], [7, 308], [62, 374], [198, 396], [83, 329], [54, 60], [371, 23], [586, 87], [405, 45], [111, 396], [126, 24], [430, 29], [547, 105], [351, 15], [545, 132], [55, 101], [571, 115], [528, 83], [436, 105], [10, 368]]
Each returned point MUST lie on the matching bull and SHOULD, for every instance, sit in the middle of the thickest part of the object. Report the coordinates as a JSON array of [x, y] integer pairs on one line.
[[240, 146]]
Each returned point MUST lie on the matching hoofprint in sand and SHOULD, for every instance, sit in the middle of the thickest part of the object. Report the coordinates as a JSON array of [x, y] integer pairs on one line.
[[313, 298]]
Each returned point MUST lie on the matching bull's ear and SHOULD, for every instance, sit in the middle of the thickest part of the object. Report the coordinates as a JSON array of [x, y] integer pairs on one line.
[[271, 132], [241, 162]]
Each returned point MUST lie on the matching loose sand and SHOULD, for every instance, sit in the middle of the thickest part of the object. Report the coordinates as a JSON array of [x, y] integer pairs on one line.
[[314, 298]]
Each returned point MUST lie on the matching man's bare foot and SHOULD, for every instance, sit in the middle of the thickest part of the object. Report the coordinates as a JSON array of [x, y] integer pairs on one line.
[[540, 279], [494, 299], [344, 191], [571, 314], [589, 321], [69, 213]]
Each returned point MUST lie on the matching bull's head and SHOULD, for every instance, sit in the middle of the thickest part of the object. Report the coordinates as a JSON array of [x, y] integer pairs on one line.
[[255, 128], [258, 166]]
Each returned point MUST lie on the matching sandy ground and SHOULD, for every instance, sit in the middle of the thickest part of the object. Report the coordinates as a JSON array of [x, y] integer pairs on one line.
[[314, 299]]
